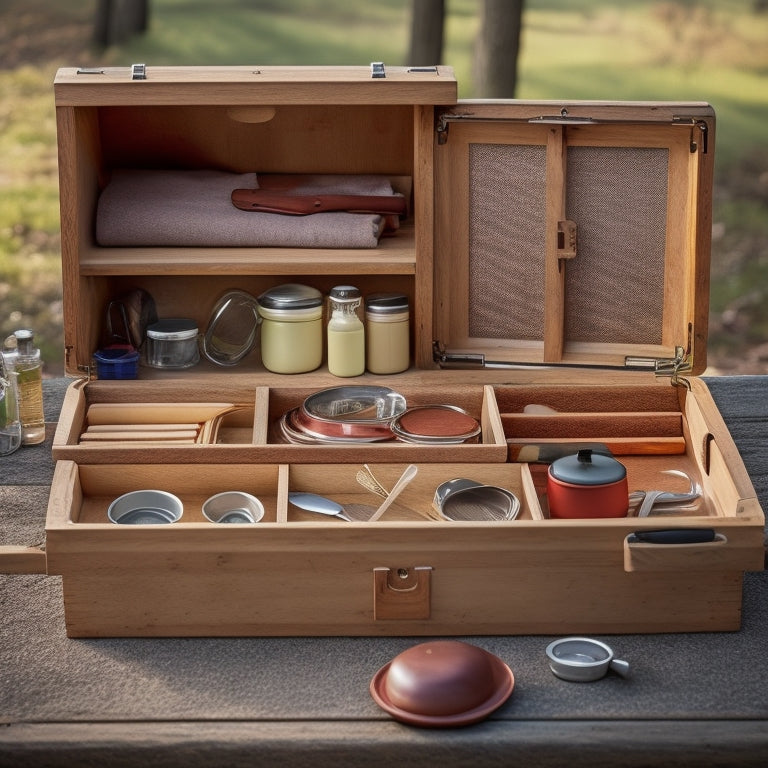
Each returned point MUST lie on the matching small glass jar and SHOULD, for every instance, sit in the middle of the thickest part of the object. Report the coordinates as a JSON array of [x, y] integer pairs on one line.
[[387, 333], [172, 343], [291, 328]]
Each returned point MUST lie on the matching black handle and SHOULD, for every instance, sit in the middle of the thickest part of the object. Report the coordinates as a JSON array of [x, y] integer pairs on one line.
[[676, 536]]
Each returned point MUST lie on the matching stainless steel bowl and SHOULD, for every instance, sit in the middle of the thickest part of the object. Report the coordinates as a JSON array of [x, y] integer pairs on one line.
[[145, 508]]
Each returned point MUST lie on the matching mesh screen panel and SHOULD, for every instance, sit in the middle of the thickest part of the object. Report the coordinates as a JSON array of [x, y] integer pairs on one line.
[[615, 285], [506, 241]]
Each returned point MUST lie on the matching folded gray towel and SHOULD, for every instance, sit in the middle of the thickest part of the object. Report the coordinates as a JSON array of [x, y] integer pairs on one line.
[[194, 208]]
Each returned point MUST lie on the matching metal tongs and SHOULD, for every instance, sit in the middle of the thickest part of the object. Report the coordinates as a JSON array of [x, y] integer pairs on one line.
[[668, 500]]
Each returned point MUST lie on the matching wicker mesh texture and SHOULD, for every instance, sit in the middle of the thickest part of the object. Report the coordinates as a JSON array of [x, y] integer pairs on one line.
[[506, 241], [614, 286]]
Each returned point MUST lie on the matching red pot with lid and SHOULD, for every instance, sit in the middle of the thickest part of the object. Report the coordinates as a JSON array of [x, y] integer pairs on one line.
[[587, 485]]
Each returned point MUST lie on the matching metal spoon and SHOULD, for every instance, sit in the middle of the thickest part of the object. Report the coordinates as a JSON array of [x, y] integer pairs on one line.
[[313, 502]]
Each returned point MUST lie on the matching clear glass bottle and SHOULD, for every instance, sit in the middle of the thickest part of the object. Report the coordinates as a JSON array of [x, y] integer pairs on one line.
[[346, 333], [29, 382], [10, 424]]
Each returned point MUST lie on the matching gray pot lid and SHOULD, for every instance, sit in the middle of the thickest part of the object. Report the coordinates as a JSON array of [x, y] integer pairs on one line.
[[588, 468]]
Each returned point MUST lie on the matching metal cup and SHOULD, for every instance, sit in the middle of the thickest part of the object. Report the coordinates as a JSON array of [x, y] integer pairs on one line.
[[581, 659], [233, 507]]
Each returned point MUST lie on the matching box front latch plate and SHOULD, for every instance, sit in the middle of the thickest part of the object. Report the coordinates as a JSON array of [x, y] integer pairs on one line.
[[401, 593]]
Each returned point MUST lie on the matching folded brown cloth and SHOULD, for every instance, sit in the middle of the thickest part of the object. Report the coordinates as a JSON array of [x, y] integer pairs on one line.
[[194, 208]]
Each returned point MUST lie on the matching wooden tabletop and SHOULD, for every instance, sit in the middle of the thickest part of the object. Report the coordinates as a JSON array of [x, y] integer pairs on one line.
[[692, 699]]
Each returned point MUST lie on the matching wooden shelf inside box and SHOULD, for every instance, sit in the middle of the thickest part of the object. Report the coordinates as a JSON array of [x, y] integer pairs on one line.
[[99, 485], [395, 255], [631, 420], [96, 486], [415, 503], [249, 434], [647, 473]]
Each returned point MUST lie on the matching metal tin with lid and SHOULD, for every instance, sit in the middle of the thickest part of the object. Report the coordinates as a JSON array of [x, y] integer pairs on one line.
[[291, 329], [387, 321], [172, 343]]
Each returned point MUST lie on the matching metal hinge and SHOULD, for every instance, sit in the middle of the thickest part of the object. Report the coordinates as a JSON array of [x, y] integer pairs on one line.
[[87, 370], [564, 118], [674, 367]]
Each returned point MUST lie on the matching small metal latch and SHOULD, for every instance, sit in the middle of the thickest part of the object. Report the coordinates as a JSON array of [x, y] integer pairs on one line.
[[89, 71], [566, 239], [401, 593], [377, 69], [138, 71]]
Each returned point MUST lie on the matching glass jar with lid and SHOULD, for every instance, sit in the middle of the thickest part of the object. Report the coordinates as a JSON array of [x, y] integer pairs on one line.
[[387, 333], [291, 328], [172, 343]]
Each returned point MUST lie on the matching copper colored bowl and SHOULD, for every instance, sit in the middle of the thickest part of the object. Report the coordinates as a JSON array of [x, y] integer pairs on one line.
[[442, 683]]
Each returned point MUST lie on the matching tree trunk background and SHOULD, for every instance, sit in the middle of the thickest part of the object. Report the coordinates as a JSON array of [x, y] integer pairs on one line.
[[427, 22], [496, 50], [117, 20]]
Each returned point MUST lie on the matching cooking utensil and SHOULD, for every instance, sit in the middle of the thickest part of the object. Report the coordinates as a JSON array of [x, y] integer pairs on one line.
[[587, 485], [368, 480], [408, 474], [582, 659], [313, 502], [667, 500], [464, 499]]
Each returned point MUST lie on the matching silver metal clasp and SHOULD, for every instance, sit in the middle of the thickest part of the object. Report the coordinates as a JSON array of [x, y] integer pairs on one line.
[[377, 70]]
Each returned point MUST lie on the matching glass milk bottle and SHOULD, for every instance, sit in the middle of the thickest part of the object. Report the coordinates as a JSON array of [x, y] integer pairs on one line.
[[29, 383], [10, 425], [346, 334], [387, 340]]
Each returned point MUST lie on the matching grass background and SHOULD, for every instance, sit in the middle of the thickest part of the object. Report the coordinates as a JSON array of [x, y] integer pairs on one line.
[[689, 50]]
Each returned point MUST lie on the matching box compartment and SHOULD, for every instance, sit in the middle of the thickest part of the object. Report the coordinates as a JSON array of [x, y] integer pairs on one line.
[[554, 254]]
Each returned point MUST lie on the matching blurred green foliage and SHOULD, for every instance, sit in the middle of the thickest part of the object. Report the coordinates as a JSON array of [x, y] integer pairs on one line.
[[689, 50]]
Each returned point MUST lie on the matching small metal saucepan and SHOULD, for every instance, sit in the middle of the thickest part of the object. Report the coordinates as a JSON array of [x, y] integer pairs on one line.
[[587, 484]]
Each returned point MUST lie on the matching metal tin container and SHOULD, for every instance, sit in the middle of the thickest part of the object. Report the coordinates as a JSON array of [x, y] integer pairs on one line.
[[387, 333]]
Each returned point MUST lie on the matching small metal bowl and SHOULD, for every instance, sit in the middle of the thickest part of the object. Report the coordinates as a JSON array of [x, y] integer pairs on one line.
[[145, 508], [462, 499], [233, 507]]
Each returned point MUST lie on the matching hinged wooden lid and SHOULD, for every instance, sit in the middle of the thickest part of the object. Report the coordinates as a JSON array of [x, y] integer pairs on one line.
[[105, 86], [573, 234]]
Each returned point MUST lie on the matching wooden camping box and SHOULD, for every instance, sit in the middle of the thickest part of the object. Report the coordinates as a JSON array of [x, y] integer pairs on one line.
[[553, 254]]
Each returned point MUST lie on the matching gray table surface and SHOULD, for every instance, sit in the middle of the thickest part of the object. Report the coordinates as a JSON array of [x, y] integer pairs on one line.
[[697, 699]]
